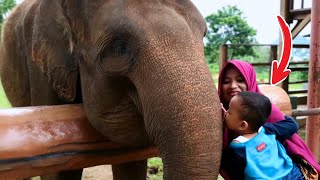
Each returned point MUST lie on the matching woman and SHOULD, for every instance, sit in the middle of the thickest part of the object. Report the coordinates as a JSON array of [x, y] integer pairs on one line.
[[237, 76]]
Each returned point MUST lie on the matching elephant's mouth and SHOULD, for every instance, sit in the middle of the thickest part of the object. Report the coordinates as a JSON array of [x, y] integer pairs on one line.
[[125, 108], [123, 123]]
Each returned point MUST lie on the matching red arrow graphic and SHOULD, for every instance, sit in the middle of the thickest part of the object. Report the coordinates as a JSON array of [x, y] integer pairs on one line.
[[279, 69]]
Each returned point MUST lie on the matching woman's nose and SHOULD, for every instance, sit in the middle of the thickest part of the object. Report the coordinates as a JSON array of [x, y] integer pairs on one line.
[[234, 84]]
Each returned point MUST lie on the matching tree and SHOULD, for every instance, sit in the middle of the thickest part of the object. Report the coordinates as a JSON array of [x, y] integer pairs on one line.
[[228, 26], [5, 7]]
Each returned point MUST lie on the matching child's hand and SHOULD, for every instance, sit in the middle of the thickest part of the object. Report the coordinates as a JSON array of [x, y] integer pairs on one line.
[[223, 111]]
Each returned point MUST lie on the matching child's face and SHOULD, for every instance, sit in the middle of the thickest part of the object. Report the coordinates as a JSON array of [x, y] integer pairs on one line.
[[232, 117]]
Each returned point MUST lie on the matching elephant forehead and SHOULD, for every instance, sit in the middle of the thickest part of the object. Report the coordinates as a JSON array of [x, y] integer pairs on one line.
[[141, 5], [136, 15]]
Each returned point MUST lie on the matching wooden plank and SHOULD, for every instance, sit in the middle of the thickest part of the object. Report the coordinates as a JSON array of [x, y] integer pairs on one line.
[[261, 64], [293, 69], [253, 44], [297, 92], [291, 63], [300, 25], [299, 14], [294, 45], [298, 82], [301, 46], [43, 140], [299, 62]]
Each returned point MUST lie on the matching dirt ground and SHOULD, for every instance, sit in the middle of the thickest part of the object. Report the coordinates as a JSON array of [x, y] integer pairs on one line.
[[102, 172]]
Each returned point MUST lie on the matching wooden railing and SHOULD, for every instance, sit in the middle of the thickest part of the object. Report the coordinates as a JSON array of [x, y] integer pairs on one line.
[[47, 139]]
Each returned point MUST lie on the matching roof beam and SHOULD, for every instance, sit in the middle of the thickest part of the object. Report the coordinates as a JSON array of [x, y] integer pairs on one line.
[[300, 25]]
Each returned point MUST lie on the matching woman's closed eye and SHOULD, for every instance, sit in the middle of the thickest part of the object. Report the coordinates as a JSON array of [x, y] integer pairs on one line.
[[226, 81], [241, 79]]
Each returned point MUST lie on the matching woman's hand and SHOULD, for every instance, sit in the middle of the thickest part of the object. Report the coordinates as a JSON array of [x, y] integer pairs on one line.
[[223, 111]]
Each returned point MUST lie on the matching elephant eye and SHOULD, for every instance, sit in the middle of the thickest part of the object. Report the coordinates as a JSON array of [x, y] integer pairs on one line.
[[119, 48], [118, 56]]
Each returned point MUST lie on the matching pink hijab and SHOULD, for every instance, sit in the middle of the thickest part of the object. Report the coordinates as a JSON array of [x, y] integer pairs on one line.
[[294, 146]]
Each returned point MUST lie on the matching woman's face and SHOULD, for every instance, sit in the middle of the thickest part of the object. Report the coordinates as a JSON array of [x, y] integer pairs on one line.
[[232, 83]]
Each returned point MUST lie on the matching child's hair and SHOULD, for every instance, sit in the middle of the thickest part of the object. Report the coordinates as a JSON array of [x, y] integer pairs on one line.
[[256, 109]]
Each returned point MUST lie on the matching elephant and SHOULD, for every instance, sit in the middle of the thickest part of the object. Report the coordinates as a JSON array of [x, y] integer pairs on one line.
[[137, 66]]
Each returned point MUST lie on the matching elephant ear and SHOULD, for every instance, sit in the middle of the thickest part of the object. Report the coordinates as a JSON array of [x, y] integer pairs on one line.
[[52, 49]]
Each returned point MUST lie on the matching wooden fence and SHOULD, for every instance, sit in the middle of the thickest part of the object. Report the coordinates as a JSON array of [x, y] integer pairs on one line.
[[48, 139]]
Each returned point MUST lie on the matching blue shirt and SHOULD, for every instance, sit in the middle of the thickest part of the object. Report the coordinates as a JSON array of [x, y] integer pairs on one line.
[[263, 156]]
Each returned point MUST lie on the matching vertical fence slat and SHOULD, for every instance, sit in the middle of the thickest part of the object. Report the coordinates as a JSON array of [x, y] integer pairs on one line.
[[223, 56]]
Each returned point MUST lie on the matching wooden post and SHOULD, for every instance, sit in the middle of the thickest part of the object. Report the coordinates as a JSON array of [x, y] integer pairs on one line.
[[285, 84], [273, 56], [313, 123], [223, 56], [285, 7], [48, 139]]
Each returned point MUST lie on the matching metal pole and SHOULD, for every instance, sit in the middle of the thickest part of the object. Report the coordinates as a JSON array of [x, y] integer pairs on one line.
[[308, 112], [313, 122]]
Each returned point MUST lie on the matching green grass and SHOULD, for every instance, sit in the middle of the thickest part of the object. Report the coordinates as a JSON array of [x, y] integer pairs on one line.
[[4, 103], [155, 162]]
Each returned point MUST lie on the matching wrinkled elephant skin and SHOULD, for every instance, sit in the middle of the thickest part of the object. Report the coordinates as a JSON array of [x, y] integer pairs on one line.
[[137, 66]]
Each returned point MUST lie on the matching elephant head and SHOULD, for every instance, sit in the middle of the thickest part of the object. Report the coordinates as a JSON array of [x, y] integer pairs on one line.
[[142, 72]]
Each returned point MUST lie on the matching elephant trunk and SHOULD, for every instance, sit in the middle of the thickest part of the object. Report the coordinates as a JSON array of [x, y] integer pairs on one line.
[[182, 117]]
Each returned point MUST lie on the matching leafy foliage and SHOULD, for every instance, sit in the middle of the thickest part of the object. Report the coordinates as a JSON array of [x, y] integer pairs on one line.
[[5, 7], [228, 26]]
